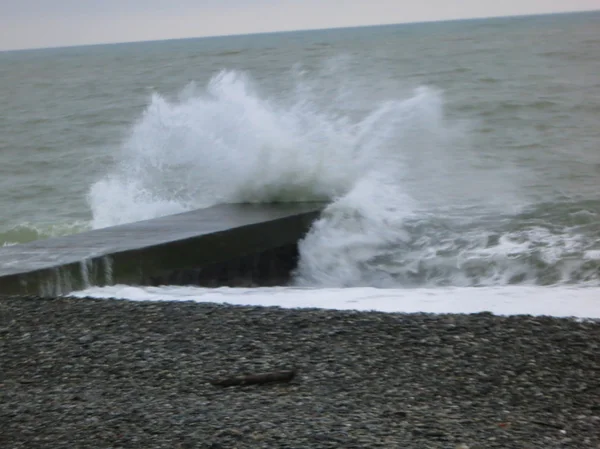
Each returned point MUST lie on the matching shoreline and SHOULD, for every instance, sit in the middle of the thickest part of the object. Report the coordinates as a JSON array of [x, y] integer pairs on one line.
[[114, 373]]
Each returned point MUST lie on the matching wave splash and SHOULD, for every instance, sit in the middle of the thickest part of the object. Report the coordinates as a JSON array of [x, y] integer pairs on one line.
[[412, 203], [231, 143], [435, 251], [228, 143]]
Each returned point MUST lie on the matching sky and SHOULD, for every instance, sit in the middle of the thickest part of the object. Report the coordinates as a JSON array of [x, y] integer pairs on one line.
[[56, 23]]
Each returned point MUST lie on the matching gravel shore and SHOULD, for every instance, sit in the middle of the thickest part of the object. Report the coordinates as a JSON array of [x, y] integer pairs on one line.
[[83, 373]]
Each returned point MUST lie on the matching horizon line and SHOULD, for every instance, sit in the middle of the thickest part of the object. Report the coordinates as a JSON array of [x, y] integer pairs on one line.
[[299, 30]]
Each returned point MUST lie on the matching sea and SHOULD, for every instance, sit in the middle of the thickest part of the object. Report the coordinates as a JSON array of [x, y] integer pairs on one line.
[[460, 160]]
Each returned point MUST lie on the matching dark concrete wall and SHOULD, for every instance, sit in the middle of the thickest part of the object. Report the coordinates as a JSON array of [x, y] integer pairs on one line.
[[226, 245], [265, 269]]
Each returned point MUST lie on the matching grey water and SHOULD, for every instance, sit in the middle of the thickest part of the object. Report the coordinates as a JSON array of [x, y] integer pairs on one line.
[[454, 153]]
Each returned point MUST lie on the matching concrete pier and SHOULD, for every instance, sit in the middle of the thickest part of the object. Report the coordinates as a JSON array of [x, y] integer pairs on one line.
[[225, 245]]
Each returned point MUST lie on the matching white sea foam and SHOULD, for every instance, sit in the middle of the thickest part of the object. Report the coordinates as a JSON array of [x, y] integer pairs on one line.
[[508, 300]]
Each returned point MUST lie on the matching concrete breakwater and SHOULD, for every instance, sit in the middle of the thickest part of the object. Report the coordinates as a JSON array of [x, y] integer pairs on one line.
[[224, 245]]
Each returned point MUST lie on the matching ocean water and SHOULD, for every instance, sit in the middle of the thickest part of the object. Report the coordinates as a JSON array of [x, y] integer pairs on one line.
[[457, 155]]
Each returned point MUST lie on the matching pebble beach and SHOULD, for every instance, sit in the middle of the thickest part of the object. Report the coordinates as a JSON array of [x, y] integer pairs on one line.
[[85, 373]]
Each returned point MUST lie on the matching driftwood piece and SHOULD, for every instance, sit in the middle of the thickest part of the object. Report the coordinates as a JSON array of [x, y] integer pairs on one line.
[[548, 424], [253, 379]]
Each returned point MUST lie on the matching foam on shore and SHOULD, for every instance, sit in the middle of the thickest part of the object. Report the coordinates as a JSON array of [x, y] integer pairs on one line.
[[560, 301]]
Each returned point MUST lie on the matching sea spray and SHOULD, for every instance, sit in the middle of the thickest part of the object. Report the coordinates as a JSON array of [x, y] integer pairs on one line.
[[228, 143], [412, 202], [354, 231]]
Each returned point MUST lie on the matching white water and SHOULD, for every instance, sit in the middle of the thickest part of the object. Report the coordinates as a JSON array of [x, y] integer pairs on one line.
[[552, 301], [412, 203], [230, 143]]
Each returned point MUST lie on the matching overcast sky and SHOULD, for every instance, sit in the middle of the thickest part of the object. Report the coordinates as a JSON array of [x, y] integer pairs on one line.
[[50, 23]]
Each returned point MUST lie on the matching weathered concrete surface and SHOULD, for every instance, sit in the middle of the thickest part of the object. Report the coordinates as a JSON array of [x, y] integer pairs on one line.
[[222, 245]]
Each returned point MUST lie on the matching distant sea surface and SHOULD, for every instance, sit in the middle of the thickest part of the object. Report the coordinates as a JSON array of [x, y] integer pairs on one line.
[[452, 155]]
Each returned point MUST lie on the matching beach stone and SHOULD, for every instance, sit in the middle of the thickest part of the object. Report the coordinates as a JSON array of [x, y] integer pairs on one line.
[[109, 373]]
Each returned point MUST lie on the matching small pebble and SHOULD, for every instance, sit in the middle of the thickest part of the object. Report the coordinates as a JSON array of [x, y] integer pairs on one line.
[[108, 373]]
